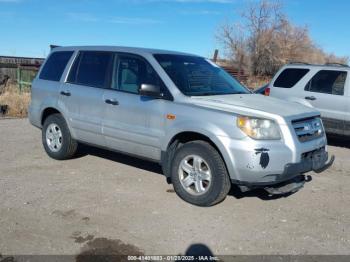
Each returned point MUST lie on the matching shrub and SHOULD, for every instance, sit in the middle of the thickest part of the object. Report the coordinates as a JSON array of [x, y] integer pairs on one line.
[[16, 101]]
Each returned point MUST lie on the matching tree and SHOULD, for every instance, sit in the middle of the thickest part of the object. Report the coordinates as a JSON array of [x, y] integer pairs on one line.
[[234, 40], [265, 40]]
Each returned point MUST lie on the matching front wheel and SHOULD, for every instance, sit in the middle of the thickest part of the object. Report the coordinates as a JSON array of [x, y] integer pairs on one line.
[[56, 138], [199, 174]]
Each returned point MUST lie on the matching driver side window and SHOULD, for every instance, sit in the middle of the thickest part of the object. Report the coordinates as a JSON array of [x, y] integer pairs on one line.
[[130, 72]]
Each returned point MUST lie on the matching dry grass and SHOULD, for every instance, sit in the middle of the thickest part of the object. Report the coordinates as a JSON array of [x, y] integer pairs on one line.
[[16, 101], [254, 82]]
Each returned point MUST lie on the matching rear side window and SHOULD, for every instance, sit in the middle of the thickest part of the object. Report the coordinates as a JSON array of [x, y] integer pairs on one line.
[[91, 69], [327, 82], [289, 77], [55, 65]]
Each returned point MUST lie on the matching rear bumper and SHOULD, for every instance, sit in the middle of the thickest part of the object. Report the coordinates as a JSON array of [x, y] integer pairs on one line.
[[317, 161]]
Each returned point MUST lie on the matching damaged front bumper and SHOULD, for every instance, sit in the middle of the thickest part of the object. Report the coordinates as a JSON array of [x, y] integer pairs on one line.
[[317, 161], [291, 179], [260, 164]]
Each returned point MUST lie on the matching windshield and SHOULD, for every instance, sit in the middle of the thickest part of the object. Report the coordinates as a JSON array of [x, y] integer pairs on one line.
[[195, 76]]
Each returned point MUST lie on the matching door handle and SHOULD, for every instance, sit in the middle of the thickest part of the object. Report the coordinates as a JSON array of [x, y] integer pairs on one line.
[[112, 102], [65, 93], [312, 98]]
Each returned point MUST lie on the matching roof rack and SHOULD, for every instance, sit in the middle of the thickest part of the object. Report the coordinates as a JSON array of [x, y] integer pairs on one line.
[[336, 64], [298, 63], [326, 64]]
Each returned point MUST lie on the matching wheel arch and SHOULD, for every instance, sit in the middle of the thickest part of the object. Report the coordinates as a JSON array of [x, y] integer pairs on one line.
[[182, 138], [52, 110], [47, 112], [188, 136]]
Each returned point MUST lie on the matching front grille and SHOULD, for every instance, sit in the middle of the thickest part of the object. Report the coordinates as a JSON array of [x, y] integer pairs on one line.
[[308, 128]]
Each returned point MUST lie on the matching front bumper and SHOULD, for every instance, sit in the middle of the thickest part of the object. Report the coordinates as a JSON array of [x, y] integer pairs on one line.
[[252, 162], [317, 161]]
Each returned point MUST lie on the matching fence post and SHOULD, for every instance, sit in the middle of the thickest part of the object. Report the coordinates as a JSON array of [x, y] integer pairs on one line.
[[19, 78]]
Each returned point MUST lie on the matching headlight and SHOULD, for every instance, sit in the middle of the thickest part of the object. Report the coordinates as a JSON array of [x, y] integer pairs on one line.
[[259, 128]]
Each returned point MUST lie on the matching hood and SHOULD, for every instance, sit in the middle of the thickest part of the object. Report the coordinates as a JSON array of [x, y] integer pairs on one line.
[[255, 104]]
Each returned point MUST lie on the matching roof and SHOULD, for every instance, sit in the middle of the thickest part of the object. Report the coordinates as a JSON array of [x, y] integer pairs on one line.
[[134, 50]]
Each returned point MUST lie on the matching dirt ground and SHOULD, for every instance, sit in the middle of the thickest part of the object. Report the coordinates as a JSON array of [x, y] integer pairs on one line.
[[106, 202]]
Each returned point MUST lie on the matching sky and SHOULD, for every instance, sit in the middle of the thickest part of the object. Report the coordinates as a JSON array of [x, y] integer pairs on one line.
[[28, 27]]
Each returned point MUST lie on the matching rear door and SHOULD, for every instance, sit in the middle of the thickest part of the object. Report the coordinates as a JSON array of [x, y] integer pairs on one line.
[[82, 94], [326, 92]]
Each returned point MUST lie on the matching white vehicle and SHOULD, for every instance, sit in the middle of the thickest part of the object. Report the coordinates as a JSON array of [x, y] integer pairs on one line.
[[324, 87]]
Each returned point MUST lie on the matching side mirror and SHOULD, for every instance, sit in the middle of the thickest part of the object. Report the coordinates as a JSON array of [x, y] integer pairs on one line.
[[150, 90]]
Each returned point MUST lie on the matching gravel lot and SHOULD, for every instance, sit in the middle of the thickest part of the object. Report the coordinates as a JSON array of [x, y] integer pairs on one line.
[[112, 202]]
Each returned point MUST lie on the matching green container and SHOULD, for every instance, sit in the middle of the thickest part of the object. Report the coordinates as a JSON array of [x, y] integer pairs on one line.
[[25, 78]]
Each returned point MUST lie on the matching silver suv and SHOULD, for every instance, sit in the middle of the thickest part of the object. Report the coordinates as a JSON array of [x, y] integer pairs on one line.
[[205, 129], [323, 87]]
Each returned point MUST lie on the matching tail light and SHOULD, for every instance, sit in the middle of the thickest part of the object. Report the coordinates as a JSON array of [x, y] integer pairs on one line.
[[267, 91]]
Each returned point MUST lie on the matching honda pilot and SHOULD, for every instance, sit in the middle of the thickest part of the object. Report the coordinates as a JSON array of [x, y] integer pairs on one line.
[[203, 127]]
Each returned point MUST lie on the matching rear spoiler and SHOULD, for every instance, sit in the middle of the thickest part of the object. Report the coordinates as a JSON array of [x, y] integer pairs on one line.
[[54, 46]]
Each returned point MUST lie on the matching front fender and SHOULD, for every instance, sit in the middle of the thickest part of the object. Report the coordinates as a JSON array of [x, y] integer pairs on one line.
[[210, 130], [215, 134]]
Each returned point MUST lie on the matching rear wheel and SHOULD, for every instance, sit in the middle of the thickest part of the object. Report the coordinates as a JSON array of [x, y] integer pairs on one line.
[[56, 138], [199, 174]]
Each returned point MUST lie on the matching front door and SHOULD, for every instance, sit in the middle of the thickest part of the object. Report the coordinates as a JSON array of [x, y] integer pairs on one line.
[[325, 91], [133, 123]]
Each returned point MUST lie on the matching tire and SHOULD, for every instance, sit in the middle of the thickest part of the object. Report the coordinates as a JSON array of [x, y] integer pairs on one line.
[[56, 138], [206, 187]]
